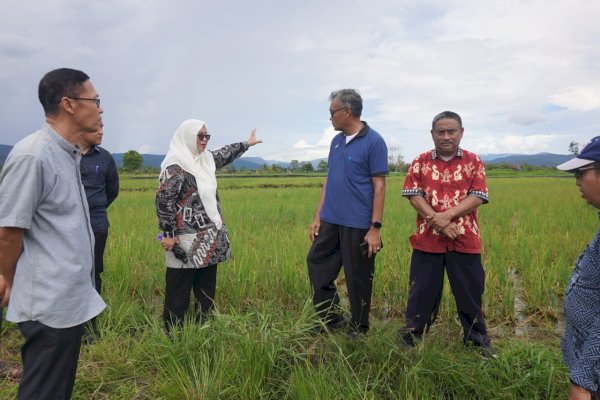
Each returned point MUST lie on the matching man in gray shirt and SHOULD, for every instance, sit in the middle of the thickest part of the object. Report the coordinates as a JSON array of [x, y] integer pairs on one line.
[[46, 241]]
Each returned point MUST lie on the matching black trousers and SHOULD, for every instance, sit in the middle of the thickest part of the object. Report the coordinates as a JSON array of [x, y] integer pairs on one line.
[[99, 246], [335, 246], [50, 359], [467, 280], [179, 284], [91, 328]]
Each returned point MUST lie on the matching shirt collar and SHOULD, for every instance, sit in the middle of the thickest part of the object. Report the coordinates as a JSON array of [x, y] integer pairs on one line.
[[364, 129], [434, 153], [362, 132], [66, 146]]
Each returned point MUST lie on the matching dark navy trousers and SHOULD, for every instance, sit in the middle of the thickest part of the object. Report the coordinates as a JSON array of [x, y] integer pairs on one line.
[[467, 280]]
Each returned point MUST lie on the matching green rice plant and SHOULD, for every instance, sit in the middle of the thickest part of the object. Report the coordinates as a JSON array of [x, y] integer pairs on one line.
[[260, 344]]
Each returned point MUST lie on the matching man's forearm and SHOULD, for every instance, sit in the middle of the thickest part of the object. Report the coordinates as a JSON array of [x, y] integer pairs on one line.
[[378, 198], [11, 247], [423, 208], [439, 220], [321, 199], [466, 206]]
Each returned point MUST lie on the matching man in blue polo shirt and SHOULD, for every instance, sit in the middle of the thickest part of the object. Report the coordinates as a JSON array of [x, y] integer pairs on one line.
[[101, 182], [346, 226]]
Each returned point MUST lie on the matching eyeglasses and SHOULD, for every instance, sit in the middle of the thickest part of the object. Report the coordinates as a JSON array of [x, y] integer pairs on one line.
[[202, 136], [579, 172], [334, 111], [440, 132], [96, 100]]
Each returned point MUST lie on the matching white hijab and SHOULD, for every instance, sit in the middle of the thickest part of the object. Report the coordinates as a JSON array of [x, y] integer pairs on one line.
[[183, 151]]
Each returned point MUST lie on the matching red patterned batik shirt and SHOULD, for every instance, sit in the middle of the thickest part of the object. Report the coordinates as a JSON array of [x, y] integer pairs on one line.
[[444, 184]]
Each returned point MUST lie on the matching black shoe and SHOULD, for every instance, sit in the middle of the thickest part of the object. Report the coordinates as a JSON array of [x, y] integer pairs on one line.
[[356, 331], [353, 334], [329, 327], [485, 350], [409, 339], [90, 337], [488, 352], [336, 324]]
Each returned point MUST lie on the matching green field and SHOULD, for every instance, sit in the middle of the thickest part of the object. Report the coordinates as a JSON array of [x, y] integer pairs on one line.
[[258, 345]]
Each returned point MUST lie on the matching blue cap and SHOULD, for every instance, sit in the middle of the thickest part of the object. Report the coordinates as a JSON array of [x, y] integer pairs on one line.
[[589, 155]]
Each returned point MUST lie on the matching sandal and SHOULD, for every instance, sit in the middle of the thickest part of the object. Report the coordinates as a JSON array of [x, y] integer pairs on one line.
[[10, 371]]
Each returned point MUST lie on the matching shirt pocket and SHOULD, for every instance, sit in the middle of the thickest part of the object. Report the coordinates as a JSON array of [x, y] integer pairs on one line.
[[356, 168]]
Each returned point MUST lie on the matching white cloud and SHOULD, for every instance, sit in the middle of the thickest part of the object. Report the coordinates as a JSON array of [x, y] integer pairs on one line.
[[510, 144], [327, 137], [525, 119], [301, 144], [146, 149], [578, 98], [497, 63], [304, 151]]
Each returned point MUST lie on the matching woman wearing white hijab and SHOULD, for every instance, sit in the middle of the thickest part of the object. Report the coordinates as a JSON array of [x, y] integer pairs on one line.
[[189, 213]]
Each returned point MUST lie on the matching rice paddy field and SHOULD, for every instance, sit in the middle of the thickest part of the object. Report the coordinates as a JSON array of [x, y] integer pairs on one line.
[[259, 344]]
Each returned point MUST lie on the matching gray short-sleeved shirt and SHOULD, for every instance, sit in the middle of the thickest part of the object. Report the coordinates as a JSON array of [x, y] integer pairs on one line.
[[41, 192]]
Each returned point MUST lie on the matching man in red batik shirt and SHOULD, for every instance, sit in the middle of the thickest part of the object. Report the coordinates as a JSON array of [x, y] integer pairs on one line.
[[445, 186]]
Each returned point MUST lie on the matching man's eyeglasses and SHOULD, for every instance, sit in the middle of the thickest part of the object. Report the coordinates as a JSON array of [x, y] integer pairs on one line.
[[581, 171], [331, 112], [96, 100], [202, 136]]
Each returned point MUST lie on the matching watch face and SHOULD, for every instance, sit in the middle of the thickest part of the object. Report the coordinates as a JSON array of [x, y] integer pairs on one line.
[[377, 225]]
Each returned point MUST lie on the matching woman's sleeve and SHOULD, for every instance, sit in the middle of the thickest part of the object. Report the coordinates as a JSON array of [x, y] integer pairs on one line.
[[227, 154], [167, 196]]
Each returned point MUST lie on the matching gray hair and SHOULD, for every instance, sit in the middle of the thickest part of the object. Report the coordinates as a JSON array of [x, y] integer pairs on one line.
[[446, 115], [348, 98]]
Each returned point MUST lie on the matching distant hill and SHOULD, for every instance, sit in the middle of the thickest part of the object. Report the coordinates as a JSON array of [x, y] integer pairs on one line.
[[547, 159], [251, 163], [154, 160], [488, 157]]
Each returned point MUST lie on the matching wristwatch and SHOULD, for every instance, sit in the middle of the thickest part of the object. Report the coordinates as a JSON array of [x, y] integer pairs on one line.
[[376, 224]]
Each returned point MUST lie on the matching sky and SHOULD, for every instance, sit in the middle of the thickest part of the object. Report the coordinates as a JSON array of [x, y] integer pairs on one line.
[[523, 75]]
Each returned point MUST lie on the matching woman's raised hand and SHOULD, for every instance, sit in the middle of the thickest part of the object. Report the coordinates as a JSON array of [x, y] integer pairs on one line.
[[252, 140]]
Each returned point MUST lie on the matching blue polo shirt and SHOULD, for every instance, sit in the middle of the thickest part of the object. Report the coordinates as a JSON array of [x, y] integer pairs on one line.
[[351, 167]]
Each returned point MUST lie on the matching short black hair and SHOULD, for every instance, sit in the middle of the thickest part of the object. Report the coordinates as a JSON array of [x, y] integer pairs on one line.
[[446, 115], [59, 83], [349, 98]]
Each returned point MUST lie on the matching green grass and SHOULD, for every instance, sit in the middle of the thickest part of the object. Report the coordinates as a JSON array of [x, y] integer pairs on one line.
[[259, 345]]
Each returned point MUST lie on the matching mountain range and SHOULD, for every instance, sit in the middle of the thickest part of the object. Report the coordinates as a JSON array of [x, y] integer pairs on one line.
[[154, 160]]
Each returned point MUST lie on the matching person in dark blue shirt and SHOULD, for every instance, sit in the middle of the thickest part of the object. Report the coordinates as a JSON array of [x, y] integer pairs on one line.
[[581, 340], [346, 226], [101, 182]]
